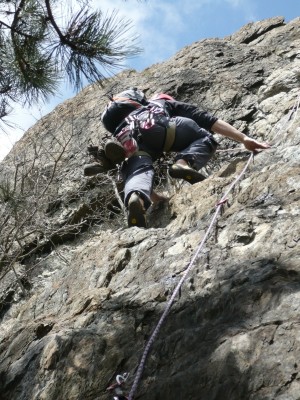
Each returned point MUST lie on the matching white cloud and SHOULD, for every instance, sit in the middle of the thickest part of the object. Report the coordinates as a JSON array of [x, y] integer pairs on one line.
[[158, 24], [19, 121], [7, 140], [22, 118]]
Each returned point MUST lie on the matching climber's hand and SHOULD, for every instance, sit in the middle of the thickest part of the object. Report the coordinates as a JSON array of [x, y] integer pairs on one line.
[[254, 145]]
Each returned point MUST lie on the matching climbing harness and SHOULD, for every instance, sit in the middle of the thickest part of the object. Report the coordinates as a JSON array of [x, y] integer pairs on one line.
[[127, 140], [130, 132]]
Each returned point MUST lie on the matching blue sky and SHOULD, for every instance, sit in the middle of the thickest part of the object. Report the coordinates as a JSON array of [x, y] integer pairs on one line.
[[165, 27]]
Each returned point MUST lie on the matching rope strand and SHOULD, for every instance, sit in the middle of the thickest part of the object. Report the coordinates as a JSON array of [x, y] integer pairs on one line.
[[181, 281], [190, 266]]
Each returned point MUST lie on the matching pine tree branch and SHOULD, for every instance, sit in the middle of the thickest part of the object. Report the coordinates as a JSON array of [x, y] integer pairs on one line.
[[61, 36], [17, 14], [14, 29]]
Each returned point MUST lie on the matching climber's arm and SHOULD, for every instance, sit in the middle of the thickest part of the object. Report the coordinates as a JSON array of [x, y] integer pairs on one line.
[[225, 129]]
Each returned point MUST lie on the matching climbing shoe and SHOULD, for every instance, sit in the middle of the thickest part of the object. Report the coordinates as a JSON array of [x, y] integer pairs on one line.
[[114, 151], [185, 172], [101, 164], [136, 212], [95, 168]]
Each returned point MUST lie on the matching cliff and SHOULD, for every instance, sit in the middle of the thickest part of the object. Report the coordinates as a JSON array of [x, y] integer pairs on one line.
[[81, 293]]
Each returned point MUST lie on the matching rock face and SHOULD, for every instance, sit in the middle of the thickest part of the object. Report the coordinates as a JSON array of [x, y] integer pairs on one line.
[[94, 290]]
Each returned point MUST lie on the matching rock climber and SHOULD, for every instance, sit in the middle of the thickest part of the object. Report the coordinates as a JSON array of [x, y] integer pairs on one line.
[[151, 128]]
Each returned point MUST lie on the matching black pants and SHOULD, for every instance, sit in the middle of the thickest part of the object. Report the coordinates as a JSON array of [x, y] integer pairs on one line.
[[192, 143]]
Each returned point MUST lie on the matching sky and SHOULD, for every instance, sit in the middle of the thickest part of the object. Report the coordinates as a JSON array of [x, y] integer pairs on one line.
[[164, 27]]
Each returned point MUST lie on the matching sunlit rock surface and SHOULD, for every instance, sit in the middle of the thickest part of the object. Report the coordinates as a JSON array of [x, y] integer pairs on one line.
[[94, 295]]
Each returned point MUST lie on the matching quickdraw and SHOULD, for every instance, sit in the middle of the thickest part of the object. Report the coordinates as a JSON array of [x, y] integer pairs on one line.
[[118, 387]]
